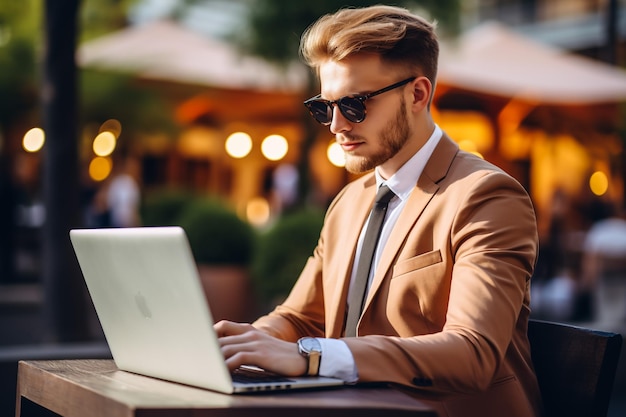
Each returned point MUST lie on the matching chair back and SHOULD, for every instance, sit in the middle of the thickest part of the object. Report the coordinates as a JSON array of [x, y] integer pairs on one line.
[[575, 367]]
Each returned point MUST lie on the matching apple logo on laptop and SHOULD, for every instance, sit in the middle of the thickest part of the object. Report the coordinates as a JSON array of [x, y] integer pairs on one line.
[[142, 304]]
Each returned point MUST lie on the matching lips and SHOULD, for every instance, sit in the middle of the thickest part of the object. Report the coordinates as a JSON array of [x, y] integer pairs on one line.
[[350, 145]]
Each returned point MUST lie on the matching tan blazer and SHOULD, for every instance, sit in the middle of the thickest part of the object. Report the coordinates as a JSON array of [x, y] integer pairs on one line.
[[446, 316]]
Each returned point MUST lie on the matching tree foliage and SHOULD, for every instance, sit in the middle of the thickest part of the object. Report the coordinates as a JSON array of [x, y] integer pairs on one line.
[[275, 26], [102, 96], [19, 44], [98, 17], [107, 95]]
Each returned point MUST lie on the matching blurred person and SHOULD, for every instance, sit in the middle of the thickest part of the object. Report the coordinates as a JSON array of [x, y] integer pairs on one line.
[[30, 211], [285, 187], [123, 195], [555, 288], [96, 207], [29, 215], [446, 311], [93, 201], [604, 270], [552, 240]]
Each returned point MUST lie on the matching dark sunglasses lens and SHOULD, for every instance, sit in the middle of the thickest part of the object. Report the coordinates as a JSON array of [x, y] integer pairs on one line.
[[320, 110], [352, 109]]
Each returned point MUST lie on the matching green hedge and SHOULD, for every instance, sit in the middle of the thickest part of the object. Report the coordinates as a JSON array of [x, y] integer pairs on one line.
[[282, 252], [217, 236], [164, 207]]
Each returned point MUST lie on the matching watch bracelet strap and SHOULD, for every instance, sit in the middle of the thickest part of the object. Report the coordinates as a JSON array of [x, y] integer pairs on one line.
[[313, 364]]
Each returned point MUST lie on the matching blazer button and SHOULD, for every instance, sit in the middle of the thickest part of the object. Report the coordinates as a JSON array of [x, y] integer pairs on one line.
[[423, 382]]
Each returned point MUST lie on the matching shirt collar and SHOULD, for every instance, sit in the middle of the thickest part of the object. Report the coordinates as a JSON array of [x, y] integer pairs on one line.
[[404, 180]]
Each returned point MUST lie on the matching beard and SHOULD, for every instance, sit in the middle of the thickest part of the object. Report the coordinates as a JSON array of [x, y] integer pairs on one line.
[[393, 137]]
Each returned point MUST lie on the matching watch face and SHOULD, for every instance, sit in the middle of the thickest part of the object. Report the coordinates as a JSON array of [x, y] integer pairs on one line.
[[311, 344]]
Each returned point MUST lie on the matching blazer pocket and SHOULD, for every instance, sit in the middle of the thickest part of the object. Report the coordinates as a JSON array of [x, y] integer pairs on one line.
[[417, 262]]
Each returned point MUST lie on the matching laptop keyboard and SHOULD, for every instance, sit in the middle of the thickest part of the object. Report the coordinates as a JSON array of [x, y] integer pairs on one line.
[[253, 376]]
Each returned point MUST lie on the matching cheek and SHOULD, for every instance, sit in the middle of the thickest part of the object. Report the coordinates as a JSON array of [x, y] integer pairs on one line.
[[376, 122]]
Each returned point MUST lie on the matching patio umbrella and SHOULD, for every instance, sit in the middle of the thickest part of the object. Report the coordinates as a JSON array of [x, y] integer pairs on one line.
[[166, 51], [494, 60]]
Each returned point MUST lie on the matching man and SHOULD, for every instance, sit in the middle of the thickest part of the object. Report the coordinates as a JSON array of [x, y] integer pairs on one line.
[[447, 302]]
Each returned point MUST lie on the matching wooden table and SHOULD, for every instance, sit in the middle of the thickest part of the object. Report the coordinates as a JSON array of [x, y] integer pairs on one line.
[[96, 388]]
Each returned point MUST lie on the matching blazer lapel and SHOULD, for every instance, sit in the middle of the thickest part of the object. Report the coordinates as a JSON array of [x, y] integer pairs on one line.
[[427, 185], [353, 223]]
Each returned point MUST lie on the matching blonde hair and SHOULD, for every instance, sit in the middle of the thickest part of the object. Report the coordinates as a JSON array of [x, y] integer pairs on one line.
[[400, 38]]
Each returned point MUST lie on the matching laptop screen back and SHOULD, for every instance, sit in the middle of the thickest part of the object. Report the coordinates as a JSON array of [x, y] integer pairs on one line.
[[150, 303]]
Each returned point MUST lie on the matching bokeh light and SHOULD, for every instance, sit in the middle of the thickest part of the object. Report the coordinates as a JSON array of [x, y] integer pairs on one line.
[[258, 211], [34, 140], [104, 144], [274, 147], [599, 183], [100, 168], [335, 155], [238, 144], [112, 125]]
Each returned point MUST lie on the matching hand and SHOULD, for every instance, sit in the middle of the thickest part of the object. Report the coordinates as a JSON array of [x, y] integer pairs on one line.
[[243, 344]]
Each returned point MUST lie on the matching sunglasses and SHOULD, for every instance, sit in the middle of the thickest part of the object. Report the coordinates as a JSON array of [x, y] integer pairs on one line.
[[352, 107]]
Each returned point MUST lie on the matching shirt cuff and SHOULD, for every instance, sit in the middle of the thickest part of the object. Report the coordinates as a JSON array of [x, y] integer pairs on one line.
[[337, 361]]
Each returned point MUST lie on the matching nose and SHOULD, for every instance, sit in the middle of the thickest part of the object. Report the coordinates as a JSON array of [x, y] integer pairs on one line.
[[339, 123]]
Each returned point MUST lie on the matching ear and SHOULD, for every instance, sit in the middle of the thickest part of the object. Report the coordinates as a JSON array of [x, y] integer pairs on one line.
[[422, 90]]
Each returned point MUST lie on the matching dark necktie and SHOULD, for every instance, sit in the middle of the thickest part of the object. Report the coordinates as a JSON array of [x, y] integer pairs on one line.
[[359, 289]]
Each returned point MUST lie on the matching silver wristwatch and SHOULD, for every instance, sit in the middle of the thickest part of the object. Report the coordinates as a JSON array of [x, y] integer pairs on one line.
[[310, 348]]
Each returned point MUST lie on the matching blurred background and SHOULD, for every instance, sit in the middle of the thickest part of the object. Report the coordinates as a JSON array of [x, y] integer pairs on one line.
[[117, 113]]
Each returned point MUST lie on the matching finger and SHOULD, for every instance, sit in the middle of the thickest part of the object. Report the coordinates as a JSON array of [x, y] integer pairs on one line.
[[231, 350], [238, 359], [237, 340], [225, 328]]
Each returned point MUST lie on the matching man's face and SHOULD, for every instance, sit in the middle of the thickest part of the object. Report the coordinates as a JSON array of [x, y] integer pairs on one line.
[[381, 137]]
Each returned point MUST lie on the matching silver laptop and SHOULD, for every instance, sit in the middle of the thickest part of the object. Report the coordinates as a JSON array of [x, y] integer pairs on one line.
[[148, 297]]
